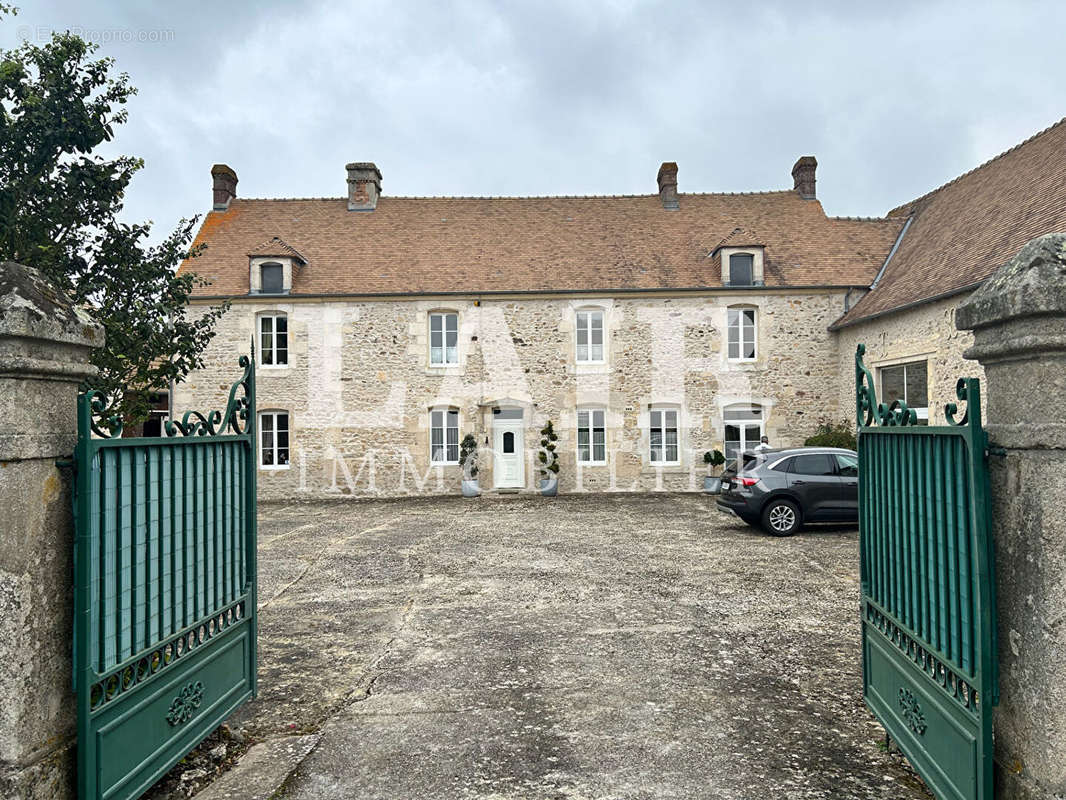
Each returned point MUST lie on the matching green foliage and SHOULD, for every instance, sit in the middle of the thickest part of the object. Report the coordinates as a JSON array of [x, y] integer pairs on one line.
[[713, 458], [59, 205], [468, 456], [828, 434], [549, 459]]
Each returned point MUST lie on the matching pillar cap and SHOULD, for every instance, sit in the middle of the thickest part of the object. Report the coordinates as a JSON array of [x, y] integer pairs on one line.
[[1031, 284]]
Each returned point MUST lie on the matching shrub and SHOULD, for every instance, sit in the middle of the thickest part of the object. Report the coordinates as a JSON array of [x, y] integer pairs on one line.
[[549, 459], [841, 434], [468, 456], [713, 459]]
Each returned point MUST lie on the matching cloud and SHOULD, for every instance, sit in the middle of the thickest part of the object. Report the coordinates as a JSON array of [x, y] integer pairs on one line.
[[482, 97]]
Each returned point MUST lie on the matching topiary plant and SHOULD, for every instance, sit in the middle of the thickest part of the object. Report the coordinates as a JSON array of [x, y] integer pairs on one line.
[[829, 435], [713, 459], [468, 456], [549, 459]]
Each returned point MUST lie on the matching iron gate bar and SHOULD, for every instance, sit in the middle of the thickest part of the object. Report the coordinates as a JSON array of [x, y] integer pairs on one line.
[[165, 587], [928, 587]]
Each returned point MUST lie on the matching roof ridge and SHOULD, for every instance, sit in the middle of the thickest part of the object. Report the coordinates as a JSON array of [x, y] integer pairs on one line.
[[980, 166], [862, 219], [521, 196]]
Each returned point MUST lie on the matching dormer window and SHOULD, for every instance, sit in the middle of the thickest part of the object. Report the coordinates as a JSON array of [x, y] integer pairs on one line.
[[741, 269], [271, 278], [272, 266], [741, 264]]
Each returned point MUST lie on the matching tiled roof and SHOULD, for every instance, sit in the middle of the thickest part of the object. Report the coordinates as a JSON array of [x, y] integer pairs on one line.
[[276, 247], [964, 231], [500, 244]]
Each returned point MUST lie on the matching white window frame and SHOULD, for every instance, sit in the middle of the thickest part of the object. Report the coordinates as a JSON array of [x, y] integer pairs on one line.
[[590, 427], [922, 412], [446, 413], [590, 313], [273, 316], [274, 415], [742, 423], [662, 428], [443, 314], [738, 328]]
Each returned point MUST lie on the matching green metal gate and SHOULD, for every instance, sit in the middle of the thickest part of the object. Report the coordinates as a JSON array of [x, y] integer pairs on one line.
[[928, 586], [165, 588]]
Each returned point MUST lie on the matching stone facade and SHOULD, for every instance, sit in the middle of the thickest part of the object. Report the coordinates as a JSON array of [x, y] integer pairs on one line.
[[923, 333], [358, 387]]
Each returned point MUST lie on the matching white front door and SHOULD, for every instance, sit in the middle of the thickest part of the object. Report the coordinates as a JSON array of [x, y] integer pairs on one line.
[[509, 461]]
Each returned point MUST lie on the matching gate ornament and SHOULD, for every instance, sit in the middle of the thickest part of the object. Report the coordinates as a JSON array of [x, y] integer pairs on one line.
[[895, 414], [912, 712], [185, 704], [216, 423]]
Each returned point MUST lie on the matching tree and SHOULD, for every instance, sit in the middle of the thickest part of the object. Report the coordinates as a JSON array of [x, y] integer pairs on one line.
[[59, 206]]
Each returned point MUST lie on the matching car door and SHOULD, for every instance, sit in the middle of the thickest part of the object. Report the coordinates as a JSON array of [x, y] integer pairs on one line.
[[848, 470], [813, 478]]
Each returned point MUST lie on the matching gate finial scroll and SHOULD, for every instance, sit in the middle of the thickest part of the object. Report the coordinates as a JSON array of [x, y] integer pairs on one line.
[[867, 409], [193, 423]]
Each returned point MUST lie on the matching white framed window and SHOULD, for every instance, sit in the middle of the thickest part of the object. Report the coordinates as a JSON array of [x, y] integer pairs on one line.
[[907, 382], [589, 336], [274, 340], [274, 440], [444, 436], [591, 436], [663, 436], [745, 426], [741, 334], [443, 339]]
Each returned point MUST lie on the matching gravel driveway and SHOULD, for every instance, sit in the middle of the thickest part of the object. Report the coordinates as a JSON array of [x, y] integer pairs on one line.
[[602, 646]]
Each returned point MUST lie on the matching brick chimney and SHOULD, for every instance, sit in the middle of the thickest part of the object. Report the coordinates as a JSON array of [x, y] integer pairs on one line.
[[364, 186], [667, 179], [224, 186], [803, 176]]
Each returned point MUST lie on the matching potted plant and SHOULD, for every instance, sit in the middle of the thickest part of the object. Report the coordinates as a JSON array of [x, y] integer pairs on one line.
[[712, 484], [468, 462], [549, 462]]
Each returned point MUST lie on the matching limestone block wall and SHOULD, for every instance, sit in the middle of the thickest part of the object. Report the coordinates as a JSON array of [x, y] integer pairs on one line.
[[925, 332], [359, 386]]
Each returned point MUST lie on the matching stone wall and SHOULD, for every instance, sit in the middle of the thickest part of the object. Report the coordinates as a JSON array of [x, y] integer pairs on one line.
[[923, 333], [358, 386]]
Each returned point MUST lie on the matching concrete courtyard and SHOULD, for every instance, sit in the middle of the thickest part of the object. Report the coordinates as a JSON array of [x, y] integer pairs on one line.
[[578, 647]]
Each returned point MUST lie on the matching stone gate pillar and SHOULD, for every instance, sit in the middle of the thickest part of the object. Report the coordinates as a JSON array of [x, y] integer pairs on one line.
[[44, 355], [1019, 322]]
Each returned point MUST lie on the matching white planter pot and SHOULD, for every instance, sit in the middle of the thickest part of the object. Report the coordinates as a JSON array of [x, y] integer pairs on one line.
[[712, 485], [471, 488]]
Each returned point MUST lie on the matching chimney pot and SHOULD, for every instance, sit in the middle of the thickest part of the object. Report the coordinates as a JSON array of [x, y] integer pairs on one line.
[[223, 185], [667, 179], [364, 186], [803, 176]]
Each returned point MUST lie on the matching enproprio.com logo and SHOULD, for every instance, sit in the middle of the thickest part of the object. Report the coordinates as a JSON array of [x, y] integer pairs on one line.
[[103, 36]]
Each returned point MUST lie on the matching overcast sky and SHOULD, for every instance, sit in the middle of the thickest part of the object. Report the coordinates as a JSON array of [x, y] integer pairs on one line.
[[575, 97]]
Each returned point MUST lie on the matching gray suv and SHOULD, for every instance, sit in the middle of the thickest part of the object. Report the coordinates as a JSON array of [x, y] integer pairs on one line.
[[783, 489]]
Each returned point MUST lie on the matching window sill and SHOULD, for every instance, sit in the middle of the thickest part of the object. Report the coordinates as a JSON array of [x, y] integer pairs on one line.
[[449, 369], [277, 468], [592, 367], [651, 469], [584, 464], [273, 367], [443, 463]]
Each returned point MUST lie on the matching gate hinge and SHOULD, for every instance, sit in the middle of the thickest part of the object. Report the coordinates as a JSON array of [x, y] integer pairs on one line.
[[995, 450], [64, 463]]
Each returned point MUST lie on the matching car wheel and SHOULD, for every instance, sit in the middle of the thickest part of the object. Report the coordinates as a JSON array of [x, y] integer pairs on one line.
[[781, 518]]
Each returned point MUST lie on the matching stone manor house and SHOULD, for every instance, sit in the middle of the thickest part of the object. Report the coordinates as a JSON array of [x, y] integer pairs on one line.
[[649, 328]]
